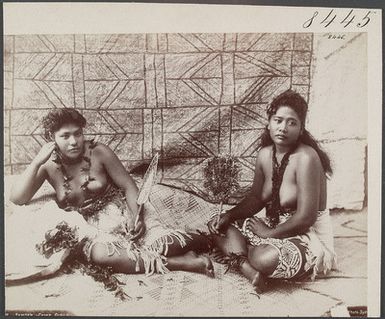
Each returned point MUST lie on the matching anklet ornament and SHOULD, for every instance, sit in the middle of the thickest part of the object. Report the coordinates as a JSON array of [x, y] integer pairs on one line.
[[210, 240], [235, 261]]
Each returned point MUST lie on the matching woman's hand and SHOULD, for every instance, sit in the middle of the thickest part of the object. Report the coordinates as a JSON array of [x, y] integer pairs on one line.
[[219, 224], [139, 227], [258, 227], [45, 153], [138, 230]]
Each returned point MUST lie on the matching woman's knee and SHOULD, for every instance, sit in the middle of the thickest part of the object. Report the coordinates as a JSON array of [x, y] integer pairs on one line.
[[264, 258], [99, 254], [232, 242], [233, 234]]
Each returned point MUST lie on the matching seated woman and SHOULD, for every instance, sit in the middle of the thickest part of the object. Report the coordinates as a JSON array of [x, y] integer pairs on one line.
[[88, 178], [295, 238]]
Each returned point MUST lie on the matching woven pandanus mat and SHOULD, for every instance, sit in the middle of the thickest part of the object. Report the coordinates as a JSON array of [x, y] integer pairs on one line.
[[174, 294], [182, 293], [179, 209]]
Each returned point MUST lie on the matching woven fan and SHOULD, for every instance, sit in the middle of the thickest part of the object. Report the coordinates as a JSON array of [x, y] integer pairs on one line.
[[149, 180]]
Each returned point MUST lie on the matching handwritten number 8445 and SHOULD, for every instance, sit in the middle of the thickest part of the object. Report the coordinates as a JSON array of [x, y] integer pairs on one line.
[[331, 17]]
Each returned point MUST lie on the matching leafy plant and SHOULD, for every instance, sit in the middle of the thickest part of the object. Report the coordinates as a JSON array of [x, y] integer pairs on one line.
[[221, 178]]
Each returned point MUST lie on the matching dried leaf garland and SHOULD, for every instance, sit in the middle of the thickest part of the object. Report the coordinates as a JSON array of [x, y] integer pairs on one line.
[[57, 239], [64, 237], [101, 274]]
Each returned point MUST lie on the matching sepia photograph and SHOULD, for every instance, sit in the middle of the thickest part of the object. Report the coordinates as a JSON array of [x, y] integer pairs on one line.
[[191, 169]]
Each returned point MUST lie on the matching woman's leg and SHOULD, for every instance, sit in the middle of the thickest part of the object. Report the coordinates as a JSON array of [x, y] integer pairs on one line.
[[281, 259], [107, 255], [264, 258], [235, 243], [185, 257], [232, 243], [190, 261], [195, 242], [118, 259]]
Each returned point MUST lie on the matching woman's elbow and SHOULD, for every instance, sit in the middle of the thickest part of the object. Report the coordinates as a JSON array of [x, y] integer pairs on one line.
[[306, 223], [17, 199]]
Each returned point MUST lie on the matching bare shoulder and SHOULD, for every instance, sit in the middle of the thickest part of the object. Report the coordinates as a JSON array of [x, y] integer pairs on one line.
[[307, 156], [264, 153], [100, 149], [263, 158], [102, 153]]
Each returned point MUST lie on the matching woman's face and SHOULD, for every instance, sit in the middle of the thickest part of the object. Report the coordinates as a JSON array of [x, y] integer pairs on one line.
[[285, 127], [70, 140]]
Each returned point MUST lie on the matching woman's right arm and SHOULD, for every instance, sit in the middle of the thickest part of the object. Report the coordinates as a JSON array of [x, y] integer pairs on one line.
[[252, 203], [32, 178], [249, 206]]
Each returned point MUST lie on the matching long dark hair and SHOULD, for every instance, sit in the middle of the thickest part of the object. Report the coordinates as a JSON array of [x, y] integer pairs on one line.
[[298, 104]]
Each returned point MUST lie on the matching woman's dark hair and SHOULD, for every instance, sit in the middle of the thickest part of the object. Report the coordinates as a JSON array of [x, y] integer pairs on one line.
[[298, 104], [56, 118]]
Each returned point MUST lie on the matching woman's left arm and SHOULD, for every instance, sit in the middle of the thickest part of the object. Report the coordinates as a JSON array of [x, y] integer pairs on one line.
[[309, 170]]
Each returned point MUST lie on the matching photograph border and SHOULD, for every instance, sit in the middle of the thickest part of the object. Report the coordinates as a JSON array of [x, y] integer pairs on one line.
[[374, 155]]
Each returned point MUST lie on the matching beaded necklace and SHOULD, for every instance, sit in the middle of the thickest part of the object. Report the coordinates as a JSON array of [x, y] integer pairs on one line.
[[278, 171], [60, 161]]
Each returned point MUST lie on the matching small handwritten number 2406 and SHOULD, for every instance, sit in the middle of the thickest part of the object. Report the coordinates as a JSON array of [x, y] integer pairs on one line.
[[349, 18]]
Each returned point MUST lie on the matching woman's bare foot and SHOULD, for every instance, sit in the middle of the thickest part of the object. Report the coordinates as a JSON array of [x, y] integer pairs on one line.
[[208, 266], [259, 283], [190, 261], [254, 276]]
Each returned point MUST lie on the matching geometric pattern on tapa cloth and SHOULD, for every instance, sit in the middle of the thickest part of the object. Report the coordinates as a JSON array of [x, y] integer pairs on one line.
[[186, 96]]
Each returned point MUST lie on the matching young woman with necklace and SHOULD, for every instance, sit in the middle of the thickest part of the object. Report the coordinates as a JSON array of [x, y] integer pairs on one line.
[[295, 239], [89, 179]]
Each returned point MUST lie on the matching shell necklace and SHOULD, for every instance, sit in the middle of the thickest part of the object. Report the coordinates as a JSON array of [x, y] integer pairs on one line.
[[60, 161]]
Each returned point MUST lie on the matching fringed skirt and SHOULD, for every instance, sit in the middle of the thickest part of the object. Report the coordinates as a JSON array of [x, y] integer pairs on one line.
[[27, 235], [151, 248]]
